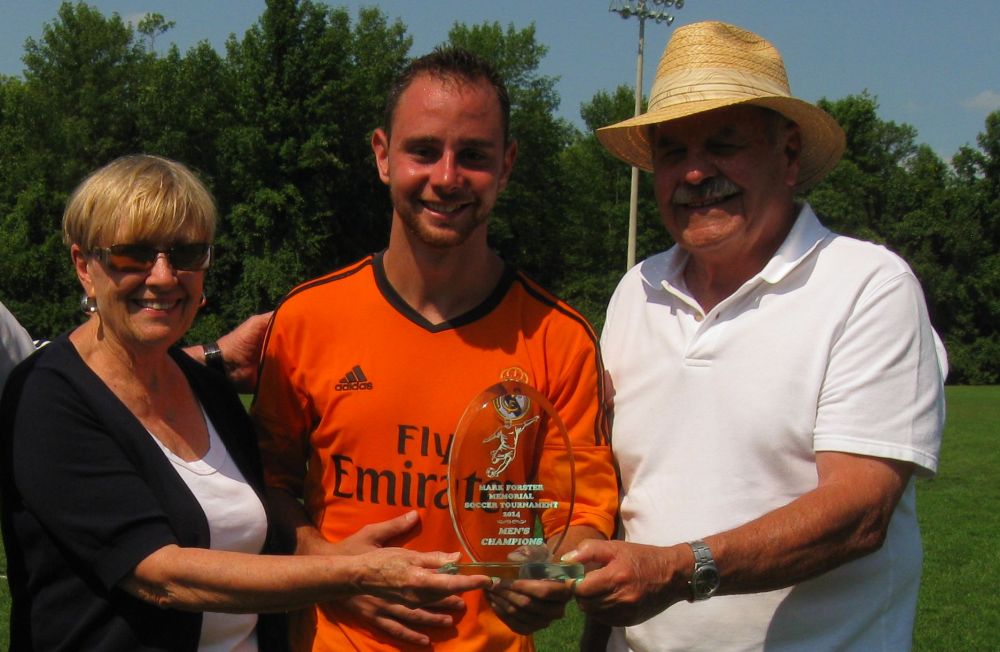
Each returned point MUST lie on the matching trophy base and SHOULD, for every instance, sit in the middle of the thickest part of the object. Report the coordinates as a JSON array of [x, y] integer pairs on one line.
[[518, 570]]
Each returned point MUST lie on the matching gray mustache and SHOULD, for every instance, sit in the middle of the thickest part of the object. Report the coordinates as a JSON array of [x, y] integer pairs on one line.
[[712, 188]]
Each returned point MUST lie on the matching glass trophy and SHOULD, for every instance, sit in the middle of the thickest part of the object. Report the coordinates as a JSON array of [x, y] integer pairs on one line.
[[510, 480]]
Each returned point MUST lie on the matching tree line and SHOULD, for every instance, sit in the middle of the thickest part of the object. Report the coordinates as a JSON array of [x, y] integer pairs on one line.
[[278, 127]]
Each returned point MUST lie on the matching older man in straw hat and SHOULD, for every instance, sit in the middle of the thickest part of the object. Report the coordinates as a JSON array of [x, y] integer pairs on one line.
[[776, 386]]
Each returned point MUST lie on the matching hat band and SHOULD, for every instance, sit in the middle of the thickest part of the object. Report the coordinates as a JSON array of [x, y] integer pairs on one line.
[[711, 84]]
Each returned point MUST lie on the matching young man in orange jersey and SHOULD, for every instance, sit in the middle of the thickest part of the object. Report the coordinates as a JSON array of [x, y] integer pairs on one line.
[[367, 370]]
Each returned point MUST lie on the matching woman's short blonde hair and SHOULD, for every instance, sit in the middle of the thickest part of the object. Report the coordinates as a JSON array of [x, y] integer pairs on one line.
[[139, 198]]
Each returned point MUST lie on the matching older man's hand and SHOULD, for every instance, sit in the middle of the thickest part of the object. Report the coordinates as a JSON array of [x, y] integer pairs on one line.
[[634, 582]]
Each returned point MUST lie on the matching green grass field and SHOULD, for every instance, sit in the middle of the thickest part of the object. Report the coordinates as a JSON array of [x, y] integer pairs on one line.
[[959, 607]]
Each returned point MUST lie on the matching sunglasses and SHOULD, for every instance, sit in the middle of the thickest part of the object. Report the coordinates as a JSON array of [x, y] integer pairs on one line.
[[190, 257]]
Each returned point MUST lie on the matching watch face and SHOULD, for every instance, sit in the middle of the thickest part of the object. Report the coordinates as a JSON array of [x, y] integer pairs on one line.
[[705, 582]]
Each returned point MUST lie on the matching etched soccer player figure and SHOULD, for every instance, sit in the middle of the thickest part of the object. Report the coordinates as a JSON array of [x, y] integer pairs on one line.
[[511, 408]]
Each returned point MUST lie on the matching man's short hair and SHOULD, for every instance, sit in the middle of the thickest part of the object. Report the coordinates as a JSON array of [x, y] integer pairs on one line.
[[449, 64]]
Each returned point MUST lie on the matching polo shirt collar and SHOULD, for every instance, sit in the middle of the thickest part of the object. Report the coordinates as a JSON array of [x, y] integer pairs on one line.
[[667, 271], [806, 234]]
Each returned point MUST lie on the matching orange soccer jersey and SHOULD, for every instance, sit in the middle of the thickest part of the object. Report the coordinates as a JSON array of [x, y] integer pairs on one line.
[[357, 404]]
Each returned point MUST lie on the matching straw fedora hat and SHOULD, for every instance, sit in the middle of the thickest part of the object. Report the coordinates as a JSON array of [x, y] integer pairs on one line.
[[710, 65]]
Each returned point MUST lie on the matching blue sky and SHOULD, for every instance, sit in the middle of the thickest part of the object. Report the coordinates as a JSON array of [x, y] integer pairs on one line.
[[931, 64]]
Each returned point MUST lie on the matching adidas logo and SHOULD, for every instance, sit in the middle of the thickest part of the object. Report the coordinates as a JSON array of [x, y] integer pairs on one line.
[[354, 379]]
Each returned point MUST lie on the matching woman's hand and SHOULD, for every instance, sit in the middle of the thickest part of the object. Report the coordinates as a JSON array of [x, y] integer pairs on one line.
[[412, 578]]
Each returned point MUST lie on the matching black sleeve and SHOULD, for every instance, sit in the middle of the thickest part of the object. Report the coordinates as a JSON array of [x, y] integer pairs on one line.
[[79, 483]]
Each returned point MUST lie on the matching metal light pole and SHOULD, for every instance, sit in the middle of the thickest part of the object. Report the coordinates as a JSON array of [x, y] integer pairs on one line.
[[638, 8]]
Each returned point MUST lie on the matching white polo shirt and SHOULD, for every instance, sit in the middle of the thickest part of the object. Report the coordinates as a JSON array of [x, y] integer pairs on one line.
[[15, 344], [718, 417]]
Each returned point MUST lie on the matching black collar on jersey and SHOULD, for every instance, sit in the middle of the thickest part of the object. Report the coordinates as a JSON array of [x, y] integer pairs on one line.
[[397, 302]]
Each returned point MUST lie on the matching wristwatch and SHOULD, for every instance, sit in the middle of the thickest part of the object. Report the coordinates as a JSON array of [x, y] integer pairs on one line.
[[705, 577], [213, 357]]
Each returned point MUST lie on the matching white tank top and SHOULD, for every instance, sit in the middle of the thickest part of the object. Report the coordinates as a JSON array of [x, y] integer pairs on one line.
[[237, 523]]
